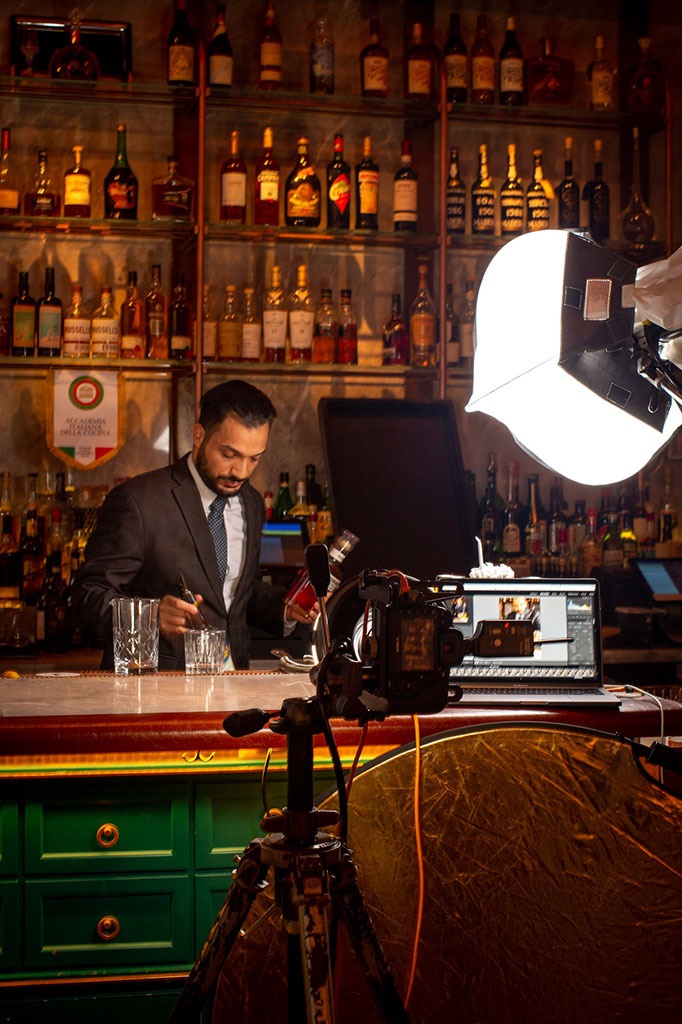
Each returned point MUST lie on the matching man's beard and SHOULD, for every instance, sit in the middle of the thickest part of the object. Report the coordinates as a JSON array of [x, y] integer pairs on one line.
[[218, 484]]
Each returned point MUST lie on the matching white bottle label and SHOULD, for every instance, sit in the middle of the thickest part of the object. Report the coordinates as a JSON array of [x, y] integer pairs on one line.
[[375, 74], [76, 336], [181, 64], [268, 183], [274, 328], [271, 62], [77, 190], [456, 70], [419, 77], [368, 187], [233, 190], [511, 74], [602, 88], [9, 198], [483, 73], [220, 69], [405, 200], [105, 340], [251, 341], [208, 339], [301, 329]]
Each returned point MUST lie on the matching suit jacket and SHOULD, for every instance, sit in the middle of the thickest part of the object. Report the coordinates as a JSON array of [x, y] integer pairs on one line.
[[151, 529]]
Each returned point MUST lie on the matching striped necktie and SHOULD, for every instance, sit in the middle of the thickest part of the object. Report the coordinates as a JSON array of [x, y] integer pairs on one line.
[[216, 524]]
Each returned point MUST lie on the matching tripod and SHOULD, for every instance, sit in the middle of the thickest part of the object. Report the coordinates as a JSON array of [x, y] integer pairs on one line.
[[314, 873]]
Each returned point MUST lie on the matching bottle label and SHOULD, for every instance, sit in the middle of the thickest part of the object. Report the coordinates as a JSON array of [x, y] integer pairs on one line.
[[274, 328], [251, 341], [132, 346], [76, 336], [483, 73], [43, 204], [322, 61], [511, 539], [50, 328], [456, 209], [23, 326], [537, 211], [233, 189], [268, 184], [423, 330], [339, 193], [229, 339], [456, 70], [511, 74], [368, 191], [466, 340], [419, 77], [77, 191], [569, 208], [176, 200], [303, 201], [375, 74], [105, 339], [405, 200], [602, 88], [208, 339], [181, 64], [511, 211], [301, 326], [9, 199], [220, 69], [271, 62], [122, 195], [483, 211]]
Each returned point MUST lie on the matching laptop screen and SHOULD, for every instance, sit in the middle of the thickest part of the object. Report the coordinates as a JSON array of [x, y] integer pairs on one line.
[[563, 610], [283, 544], [662, 576]]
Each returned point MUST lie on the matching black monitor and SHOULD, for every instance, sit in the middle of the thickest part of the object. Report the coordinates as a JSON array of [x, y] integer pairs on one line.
[[397, 481]]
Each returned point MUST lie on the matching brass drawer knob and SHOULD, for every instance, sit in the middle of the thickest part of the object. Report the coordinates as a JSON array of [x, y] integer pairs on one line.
[[108, 835], [108, 928]]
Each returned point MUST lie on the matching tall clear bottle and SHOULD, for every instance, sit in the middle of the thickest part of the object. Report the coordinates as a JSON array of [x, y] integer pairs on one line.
[[423, 323], [156, 317], [219, 55], [275, 320], [10, 195], [537, 198], [367, 189], [133, 344], [181, 49], [120, 184], [596, 193], [456, 197], [252, 330], [512, 197], [483, 197], [405, 192], [105, 329], [49, 319], [301, 319], [76, 326], [568, 191], [266, 188], [639, 227], [233, 185]]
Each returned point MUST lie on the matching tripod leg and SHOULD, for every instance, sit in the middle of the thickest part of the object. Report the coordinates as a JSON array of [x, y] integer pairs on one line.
[[249, 878], [312, 897], [353, 912]]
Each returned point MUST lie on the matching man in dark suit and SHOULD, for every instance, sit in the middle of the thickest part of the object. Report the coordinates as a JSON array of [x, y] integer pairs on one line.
[[154, 528]]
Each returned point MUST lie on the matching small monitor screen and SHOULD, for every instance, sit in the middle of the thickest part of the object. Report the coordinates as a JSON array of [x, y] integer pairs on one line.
[[662, 577], [283, 544]]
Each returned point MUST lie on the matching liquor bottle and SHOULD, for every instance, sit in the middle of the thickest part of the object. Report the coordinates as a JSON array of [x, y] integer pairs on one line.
[[325, 330], [577, 530], [302, 191], [601, 92], [77, 188], [396, 336], [466, 325], [456, 197], [275, 320], [182, 48], [209, 329], [639, 515], [51, 621], [270, 64], [405, 192], [367, 189], [266, 197], [423, 323], [181, 323], [511, 68], [302, 594], [219, 56], [74, 61], [301, 319], [549, 79], [512, 535], [456, 63], [612, 552], [269, 505], [322, 59], [628, 538], [32, 559], [5, 332], [592, 548], [645, 88], [105, 329], [374, 64], [252, 329], [557, 526], [172, 194], [120, 184], [10, 560], [639, 227], [313, 491], [300, 509], [568, 192], [596, 192], [512, 197], [42, 200], [419, 67], [23, 319], [156, 317], [10, 197], [347, 340], [283, 501], [230, 328], [49, 319], [537, 199], [534, 532], [132, 321], [668, 507], [233, 185], [483, 197], [76, 326], [451, 330], [491, 511], [338, 188], [482, 65]]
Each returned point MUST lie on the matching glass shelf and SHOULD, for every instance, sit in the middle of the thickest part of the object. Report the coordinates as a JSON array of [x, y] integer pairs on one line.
[[92, 227], [320, 236], [42, 88], [337, 105], [552, 117]]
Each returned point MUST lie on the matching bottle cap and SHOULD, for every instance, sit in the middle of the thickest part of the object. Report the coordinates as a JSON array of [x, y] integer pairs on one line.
[[405, 148], [267, 138]]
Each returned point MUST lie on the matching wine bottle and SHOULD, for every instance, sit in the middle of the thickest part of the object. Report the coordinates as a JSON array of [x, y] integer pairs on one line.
[[181, 323], [396, 336], [172, 194], [302, 192], [322, 59], [374, 64], [596, 193], [76, 326], [120, 184], [405, 192], [482, 65], [347, 337], [466, 325], [219, 56], [568, 191], [77, 188], [105, 329], [275, 320], [156, 318], [181, 48], [456, 198], [251, 329], [419, 67], [49, 319], [512, 534], [511, 68], [23, 319], [233, 185], [132, 321], [600, 80], [483, 197], [456, 63], [270, 66], [423, 323], [325, 329], [42, 200], [511, 197], [537, 199], [338, 188], [209, 329], [9, 182], [266, 190], [367, 189], [301, 319], [230, 328]]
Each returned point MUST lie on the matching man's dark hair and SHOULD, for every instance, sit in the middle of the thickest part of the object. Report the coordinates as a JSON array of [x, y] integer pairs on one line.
[[236, 398]]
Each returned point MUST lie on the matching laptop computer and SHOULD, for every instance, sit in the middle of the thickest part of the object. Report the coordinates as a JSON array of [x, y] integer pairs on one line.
[[565, 673], [662, 579]]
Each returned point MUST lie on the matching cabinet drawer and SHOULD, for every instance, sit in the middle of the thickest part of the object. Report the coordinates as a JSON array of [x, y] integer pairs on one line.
[[227, 817], [119, 830], [10, 925], [109, 922], [9, 839], [210, 890]]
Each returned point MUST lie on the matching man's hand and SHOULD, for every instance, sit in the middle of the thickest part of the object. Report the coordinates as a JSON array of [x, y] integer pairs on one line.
[[177, 616], [292, 613]]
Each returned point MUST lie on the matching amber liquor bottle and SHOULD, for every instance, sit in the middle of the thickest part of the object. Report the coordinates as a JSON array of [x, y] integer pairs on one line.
[[266, 189], [132, 321], [233, 185], [77, 188], [338, 188], [302, 192], [482, 65], [396, 336], [156, 317], [367, 189], [181, 323], [42, 200], [374, 64], [219, 56], [181, 48], [419, 67], [172, 194]]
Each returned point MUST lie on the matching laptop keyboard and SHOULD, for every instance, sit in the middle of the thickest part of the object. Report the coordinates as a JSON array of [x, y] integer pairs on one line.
[[530, 691]]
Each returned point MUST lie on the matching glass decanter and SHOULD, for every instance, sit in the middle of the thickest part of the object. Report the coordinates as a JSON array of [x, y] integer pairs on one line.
[[638, 222], [74, 61]]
